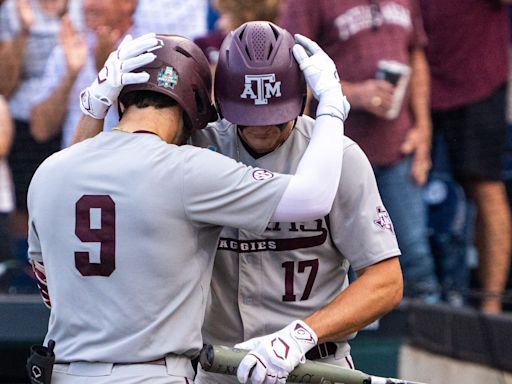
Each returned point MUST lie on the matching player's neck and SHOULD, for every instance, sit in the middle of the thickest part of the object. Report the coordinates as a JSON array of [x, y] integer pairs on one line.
[[164, 122]]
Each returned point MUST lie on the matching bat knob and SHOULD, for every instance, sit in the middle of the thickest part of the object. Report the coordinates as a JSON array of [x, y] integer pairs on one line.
[[206, 357]]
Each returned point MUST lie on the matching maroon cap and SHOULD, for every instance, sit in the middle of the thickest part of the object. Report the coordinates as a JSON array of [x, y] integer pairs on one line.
[[180, 71], [257, 80]]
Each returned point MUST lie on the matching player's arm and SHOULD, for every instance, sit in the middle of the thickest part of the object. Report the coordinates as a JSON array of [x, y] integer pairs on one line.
[[363, 233], [35, 254], [311, 192], [376, 291], [40, 274], [96, 100], [87, 127]]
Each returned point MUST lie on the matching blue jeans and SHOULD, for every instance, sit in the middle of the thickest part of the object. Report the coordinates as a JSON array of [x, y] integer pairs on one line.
[[450, 222], [404, 203]]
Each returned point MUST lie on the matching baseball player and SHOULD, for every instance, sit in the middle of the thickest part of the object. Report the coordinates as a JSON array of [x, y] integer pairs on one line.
[[290, 283], [124, 226]]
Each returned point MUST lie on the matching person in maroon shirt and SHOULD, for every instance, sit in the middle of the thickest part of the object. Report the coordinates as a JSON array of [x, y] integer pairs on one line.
[[468, 57], [357, 34]]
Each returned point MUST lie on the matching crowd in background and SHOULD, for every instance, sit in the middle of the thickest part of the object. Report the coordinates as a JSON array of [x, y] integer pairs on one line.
[[449, 201]]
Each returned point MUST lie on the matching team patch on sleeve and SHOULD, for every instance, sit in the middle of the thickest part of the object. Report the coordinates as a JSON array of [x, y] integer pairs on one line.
[[262, 174], [383, 220]]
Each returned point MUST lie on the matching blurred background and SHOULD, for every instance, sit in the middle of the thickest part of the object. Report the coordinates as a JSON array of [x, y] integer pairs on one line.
[[449, 68]]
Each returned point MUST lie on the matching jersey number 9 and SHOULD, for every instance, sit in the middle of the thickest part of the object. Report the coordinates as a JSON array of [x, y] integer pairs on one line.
[[105, 235]]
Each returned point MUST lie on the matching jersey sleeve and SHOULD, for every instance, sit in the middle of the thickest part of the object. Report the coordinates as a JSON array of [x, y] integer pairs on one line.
[[218, 190], [360, 225]]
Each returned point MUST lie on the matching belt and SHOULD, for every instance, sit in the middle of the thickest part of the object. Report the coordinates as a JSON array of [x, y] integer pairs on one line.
[[322, 350]]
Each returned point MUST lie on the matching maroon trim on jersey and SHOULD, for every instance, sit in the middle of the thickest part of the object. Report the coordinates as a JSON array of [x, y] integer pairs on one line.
[[349, 362], [41, 283], [262, 245], [144, 131]]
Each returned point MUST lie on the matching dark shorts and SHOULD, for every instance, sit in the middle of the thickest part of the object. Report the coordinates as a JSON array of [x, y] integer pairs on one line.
[[25, 156], [475, 137]]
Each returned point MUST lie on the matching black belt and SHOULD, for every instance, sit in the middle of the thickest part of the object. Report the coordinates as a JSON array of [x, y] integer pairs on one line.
[[322, 350]]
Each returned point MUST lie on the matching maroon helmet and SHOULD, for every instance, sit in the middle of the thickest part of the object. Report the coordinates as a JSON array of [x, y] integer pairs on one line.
[[180, 71], [257, 80]]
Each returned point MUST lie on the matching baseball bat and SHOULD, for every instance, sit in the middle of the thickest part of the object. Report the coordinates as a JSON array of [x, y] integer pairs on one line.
[[225, 360]]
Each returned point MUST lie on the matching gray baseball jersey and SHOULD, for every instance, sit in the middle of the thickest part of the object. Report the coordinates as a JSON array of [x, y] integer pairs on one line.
[[262, 282], [127, 227]]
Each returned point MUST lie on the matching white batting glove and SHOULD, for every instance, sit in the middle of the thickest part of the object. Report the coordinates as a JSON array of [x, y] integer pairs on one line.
[[272, 357], [322, 77], [131, 54]]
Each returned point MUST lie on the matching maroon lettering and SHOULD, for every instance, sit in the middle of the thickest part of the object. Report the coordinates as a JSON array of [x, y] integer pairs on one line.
[[289, 275], [289, 267], [105, 235]]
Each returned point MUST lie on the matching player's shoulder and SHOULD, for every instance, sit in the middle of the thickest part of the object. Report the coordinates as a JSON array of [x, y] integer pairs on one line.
[[52, 166], [215, 136], [59, 157], [221, 127]]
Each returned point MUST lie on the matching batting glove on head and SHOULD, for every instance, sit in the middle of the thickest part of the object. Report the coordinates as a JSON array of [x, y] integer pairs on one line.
[[131, 54], [272, 357], [322, 77]]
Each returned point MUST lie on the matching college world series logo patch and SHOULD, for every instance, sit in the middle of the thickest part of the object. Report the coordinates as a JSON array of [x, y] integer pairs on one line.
[[167, 78]]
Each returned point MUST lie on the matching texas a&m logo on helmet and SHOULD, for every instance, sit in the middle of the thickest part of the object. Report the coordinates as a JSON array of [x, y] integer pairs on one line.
[[261, 88]]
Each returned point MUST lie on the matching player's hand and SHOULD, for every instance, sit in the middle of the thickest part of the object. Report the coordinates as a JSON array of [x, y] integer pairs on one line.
[[104, 91], [272, 357], [319, 69], [321, 75]]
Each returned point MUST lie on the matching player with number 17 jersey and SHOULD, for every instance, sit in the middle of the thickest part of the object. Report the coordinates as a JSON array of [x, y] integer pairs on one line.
[[292, 269]]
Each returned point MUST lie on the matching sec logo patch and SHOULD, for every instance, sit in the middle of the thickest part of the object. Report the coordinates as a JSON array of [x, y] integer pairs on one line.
[[262, 174]]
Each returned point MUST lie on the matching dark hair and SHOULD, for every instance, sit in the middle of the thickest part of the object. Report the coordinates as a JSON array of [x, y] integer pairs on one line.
[[143, 99]]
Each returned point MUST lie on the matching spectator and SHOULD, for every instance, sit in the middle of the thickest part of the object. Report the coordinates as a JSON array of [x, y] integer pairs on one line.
[[74, 63], [357, 34], [6, 189], [29, 31], [468, 57], [177, 17], [232, 14]]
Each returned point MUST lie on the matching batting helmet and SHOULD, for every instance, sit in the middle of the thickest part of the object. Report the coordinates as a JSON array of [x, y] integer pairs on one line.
[[180, 71], [257, 80]]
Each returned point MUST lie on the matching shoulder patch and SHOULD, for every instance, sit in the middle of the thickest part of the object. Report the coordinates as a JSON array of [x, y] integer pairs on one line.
[[262, 174], [383, 220]]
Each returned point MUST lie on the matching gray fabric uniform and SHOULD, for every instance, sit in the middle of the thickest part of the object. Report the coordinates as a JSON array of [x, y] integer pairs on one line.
[[261, 283], [127, 227]]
